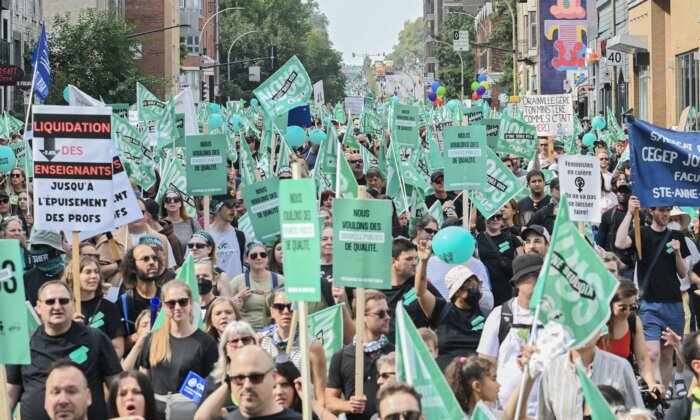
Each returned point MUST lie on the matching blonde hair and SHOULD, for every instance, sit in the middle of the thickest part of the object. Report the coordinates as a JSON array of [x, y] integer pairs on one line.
[[240, 329], [208, 327], [160, 342], [85, 260], [428, 335]]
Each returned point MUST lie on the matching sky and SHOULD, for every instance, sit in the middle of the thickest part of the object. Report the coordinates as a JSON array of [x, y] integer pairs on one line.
[[367, 26]]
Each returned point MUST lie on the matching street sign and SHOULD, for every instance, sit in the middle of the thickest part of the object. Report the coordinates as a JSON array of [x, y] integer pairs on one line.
[[615, 58], [428, 78], [254, 73], [460, 41]]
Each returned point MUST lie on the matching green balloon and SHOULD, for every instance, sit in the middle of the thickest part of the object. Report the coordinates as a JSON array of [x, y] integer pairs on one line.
[[475, 86], [441, 91]]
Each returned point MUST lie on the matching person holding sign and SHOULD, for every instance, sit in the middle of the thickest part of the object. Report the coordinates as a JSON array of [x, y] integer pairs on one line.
[[451, 204]]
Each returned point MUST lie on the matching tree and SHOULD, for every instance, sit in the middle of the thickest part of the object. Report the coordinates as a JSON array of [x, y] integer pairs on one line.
[[410, 43], [502, 36], [450, 71], [96, 55]]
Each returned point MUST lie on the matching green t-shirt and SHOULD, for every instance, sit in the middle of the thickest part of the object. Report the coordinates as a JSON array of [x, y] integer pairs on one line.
[[256, 309]]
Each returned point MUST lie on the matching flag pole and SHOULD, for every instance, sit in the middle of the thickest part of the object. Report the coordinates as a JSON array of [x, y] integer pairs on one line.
[[26, 119], [526, 369], [360, 327]]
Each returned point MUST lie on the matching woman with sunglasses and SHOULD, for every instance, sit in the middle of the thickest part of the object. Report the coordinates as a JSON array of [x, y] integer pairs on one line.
[[96, 311], [18, 178], [625, 337], [497, 250], [173, 210], [253, 289], [203, 248], [426, 228], [177, 348], [274, 340], [236, 335], [221, 312]]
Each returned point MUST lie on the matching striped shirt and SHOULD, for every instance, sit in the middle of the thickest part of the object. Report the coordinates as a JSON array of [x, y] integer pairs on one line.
[[561, 396]]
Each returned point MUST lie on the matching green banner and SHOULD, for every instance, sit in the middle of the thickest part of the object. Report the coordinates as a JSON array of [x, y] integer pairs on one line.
[[465, 152], [179, 125], [262, 201], [347, 182], [206, 164], [301, 241], [120, 110], [289, 87], [492, 125], [597, 405], [574, 288], [404, 128], [14, 334], [416, 366], [473, 114], [362, 243], [148, 106], [20, 150], [502, 185], [326, 326], [516, 137]]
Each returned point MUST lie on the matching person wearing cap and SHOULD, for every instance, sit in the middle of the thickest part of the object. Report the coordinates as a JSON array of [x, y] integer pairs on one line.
[[609, 223], [230, 241], [538, 198], [46, 251], [5, 208], [508, 327], [165, 274], [166, 228], [451, 204], [536, 240], [558, 152], [457, 321]]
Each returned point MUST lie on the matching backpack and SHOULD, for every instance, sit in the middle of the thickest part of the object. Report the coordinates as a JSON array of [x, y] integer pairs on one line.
[[507, 321]]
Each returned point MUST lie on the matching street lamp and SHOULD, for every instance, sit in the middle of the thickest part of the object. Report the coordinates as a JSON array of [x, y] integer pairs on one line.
[[461, 83], [201, 41], [513, 16], [228, 55]]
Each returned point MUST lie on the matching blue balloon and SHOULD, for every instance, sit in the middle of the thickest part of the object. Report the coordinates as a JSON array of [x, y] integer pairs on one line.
[[482, 78], [215, 108], [435, 85], [253, 102], [589, 139], [481, 90], [598, 123], [453, 245], [65, 94], [452, 105], [7, 159], [215, 121], [295, 136], [237, 122], [317, 136], [395, 99], [326, 121]]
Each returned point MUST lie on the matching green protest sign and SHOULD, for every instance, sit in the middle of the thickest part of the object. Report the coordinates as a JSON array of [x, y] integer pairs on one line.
[[416, 366], [289, 87], [180, 125], [20, 151], [502, 185], [301, 241], [206, 164], [362, 243], [574, 288], [120, 110], [473, 114], [465, 150], [14, 334], [405, 125], [516, 137], [262, 201], [326, 326], [492, 125]]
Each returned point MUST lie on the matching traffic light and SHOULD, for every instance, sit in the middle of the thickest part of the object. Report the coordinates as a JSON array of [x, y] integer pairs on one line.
[[205, 90], [272, 54]]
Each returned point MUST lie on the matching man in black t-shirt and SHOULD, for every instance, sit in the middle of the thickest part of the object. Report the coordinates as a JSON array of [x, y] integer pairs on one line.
[[659, 269], [59, 338], [451, 204], [546, 215], [537, 198], [497, 249]]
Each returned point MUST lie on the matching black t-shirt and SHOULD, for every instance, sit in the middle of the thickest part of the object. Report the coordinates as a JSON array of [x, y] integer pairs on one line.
[[458, 331], [341, 375], [497, 254], [431, 199], [33, 280], [133, 307], [407, 294], [663, 284], [527, 207], [696, 269], [544, 217], [327, 286], [88, 347], [103, 315], [195, 353], [285, 414]]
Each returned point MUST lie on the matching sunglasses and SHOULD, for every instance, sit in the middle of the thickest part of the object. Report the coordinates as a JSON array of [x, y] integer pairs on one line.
[[16, 175], [172, 200], [356, 161], [282, 306], [496, 216], [254, 256], [229, 204], [4, 200], [149, 258], [604, 159], [430, 231], [406, 415], [61, 301], [255, 378], [626, 308], [439, 181], [184, 302], [386, 375], [381, 314], [197, 245], [243, 340]]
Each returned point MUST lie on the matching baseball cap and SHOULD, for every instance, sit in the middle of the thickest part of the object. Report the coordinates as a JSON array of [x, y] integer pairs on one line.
[[437, 174], [537, 230], [624, 185], [219, 200], [524, 265]]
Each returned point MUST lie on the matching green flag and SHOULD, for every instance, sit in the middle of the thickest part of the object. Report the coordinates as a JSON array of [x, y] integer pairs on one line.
[[347, 183], [326, 326], [416, 366], [599, 408], [245, 226], [246, 164], [516, 137], [167, 131], [13, 124], [482, 412], [148, 106], [574, 288], [187, 275], [14, 335], [289, 87], [173, 171], [501, 186], [436, 211]]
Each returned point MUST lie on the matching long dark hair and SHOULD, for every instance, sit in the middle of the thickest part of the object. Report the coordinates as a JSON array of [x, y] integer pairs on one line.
[[150, 412], [625, 290], [460, 374], [290, 373]]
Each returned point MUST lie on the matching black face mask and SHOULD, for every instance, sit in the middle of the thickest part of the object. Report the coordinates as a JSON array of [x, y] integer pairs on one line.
[[204, 287], [474, 296]]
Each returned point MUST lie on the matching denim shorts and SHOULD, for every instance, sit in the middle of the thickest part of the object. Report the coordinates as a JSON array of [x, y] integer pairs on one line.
[[657, 316]]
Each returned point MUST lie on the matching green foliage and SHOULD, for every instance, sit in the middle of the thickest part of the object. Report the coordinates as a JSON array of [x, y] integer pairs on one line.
[[95, 55], [450, 71], [410, 43], [502, 36]]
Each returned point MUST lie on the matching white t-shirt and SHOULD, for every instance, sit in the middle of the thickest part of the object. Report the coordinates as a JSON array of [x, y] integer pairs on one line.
[[508, 372], [228, 251]]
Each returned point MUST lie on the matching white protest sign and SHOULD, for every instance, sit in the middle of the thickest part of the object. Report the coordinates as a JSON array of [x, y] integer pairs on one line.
[[354, 105], [552, 115], [73, 168], [579, 180], [184, 104], [319, 98]]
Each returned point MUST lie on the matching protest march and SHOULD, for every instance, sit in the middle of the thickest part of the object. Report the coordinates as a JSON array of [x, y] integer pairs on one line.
[[283, 257]]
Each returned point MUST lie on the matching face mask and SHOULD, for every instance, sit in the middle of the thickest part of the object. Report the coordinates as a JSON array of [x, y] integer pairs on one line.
[[674, 226], [474, 296], [204, 287]]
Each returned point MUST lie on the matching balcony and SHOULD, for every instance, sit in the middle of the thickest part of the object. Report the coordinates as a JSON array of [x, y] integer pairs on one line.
[[523, 53], [4, 52]]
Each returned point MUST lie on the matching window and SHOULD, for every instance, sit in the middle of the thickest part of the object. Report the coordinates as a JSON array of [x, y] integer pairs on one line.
[[533, 29], [183, 4], [686, 81], [644, 93]]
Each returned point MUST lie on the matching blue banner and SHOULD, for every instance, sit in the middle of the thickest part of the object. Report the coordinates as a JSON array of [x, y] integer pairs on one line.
[[665, 165], [40, 63]]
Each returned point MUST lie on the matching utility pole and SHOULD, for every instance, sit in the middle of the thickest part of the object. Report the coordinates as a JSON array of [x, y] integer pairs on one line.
[[613, 70]]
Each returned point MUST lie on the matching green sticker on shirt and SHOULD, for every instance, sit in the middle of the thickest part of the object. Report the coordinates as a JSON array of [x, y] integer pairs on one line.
[[409, 297], [669, 250], [504, 246], [79, 355], [98, 320]]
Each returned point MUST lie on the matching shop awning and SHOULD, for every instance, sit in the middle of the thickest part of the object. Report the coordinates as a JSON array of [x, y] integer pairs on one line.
[[628, 43]]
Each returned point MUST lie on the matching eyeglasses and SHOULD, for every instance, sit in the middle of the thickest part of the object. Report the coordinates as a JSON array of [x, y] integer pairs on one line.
[[197, 245], [406, 415], [148, 258], [626, 308], [356, 161], [386, 375], [184, 302], [255, 378], [381, 314], [254, 256], [16, 175], [172, 200], [247, 340], [604, 159], [229, 204], [430, 231], [280, 307], [61, 301], [4, 200], [238, 203]]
